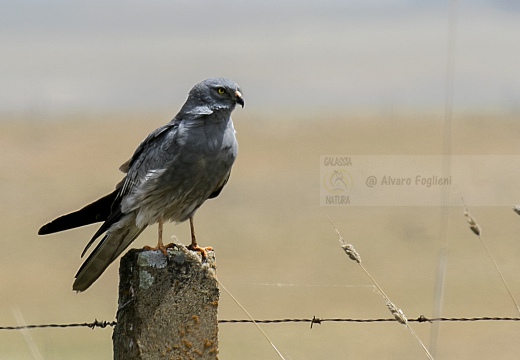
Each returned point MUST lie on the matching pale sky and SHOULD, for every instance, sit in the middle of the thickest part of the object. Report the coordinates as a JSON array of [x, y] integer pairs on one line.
[[59, 55]]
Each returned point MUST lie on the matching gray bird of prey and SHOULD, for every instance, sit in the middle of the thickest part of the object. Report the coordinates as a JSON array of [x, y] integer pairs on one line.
[[170, 175]]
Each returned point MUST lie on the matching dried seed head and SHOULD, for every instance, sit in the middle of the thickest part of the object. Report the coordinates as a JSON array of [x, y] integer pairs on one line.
[[398, 313], [351, 252], [516, 209], [349, 248], [472, 223]]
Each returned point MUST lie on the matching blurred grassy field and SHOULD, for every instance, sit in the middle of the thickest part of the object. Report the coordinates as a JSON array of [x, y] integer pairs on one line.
[[268, 230]]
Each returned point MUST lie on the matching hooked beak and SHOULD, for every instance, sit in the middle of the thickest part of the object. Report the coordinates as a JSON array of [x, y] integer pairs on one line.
[[239, 99]]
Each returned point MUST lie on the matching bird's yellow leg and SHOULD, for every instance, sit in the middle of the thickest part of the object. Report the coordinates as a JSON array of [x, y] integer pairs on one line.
[[193, 246], [160, 245]]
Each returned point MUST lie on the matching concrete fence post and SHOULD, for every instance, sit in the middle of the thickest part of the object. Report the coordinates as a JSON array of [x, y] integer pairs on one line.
[[167, 306]]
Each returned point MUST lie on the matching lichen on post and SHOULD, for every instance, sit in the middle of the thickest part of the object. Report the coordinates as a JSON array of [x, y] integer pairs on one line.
[[167, 306]]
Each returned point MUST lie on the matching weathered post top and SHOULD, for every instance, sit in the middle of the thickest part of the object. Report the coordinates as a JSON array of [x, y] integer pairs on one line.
[[167, 306]]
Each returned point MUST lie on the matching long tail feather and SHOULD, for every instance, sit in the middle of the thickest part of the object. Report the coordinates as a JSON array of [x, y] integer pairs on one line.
[[94, 212], [110, 247]]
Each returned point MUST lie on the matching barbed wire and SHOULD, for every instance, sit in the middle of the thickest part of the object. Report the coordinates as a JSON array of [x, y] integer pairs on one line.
[[92, 325], [420, 319], [315, 320]]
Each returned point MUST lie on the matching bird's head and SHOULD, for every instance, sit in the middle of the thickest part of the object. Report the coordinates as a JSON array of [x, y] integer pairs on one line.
[[215, 94]]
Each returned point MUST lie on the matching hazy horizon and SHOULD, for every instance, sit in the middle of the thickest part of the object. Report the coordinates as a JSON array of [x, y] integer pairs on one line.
[[62, 56]]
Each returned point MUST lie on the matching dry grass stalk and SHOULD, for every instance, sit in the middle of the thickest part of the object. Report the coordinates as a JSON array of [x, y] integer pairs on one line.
[[35, 352], [396, 312], [251, 318], [475, 227]]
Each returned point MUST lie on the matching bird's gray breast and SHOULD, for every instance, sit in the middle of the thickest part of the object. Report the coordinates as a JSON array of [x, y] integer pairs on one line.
[[198, 158]]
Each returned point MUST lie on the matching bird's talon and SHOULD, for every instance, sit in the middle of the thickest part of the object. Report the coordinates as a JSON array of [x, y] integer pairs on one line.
[[202, 250], [158, 247]]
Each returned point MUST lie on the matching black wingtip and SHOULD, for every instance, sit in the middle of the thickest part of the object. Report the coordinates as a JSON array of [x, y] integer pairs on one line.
[[54, 226], [96, 211], [44, 230]]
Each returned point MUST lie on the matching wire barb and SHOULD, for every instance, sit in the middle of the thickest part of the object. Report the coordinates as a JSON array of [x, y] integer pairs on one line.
[[315, 320]]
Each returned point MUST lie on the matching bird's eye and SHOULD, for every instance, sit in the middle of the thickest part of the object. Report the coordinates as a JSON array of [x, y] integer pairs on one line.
[[221, 90]]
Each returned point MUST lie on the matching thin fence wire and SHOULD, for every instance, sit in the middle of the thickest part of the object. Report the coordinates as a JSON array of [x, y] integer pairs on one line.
[[310, 321], [92, 325]]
